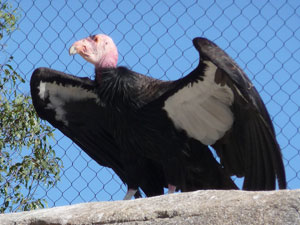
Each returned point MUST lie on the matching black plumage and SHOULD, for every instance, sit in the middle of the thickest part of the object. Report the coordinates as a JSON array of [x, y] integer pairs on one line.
[[88, 122], [170, 124], [83, 124]]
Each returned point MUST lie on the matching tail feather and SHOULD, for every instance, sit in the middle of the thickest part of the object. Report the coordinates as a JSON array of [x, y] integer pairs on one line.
[[276, 157], [264, 162], [259, 171], [269, 177], [251, 150]]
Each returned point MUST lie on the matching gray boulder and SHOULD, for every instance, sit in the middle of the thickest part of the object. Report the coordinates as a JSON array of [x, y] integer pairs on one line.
[[200, 207]]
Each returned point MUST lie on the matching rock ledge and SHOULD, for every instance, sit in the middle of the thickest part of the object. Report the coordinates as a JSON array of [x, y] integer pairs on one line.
[[200, 207]]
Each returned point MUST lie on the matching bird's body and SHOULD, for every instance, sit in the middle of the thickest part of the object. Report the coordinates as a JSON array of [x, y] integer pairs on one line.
[[143, 128], [169, 124]]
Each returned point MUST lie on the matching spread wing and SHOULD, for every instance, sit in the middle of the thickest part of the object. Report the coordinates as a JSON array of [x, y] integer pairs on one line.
[[217, 105], [71, 104]]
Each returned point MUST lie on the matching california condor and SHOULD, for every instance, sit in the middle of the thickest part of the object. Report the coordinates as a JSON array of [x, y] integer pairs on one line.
[[170, 124]]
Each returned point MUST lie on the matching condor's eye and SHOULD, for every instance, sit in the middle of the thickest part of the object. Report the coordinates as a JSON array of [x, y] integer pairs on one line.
[[94, 38]]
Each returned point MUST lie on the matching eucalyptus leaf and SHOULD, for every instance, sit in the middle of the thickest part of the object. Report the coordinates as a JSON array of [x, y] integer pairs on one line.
[[26, 158]]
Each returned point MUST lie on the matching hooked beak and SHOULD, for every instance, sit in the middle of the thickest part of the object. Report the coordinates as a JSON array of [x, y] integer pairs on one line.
[[73, 50]]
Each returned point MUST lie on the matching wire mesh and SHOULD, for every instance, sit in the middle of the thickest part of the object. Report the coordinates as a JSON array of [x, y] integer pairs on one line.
[[154, 38]]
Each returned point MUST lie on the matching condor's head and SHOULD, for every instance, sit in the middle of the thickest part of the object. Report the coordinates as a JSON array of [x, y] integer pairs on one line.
[[99, 50]]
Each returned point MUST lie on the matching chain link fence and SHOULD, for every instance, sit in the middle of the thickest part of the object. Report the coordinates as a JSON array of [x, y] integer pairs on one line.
[[154, 38]]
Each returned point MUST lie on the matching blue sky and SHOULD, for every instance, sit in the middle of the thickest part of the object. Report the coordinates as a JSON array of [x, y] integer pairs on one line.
[[154, 38]]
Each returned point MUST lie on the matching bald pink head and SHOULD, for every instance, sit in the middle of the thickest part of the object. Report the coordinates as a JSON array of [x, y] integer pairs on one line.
[[99, 50]]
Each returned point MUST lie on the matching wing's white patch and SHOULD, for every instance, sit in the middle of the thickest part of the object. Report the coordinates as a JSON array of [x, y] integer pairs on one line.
[[42, 90], [202, 109], [60, 94]]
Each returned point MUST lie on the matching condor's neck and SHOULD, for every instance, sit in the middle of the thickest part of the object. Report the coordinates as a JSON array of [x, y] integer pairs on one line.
[[117, 87], [99, 71], [107, 62]]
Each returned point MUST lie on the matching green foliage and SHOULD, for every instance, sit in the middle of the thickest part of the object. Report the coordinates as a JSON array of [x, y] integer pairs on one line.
[[27, 161], [8, 18]]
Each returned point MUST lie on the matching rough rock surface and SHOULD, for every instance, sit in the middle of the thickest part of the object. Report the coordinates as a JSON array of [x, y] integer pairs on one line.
[[200, 207]]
